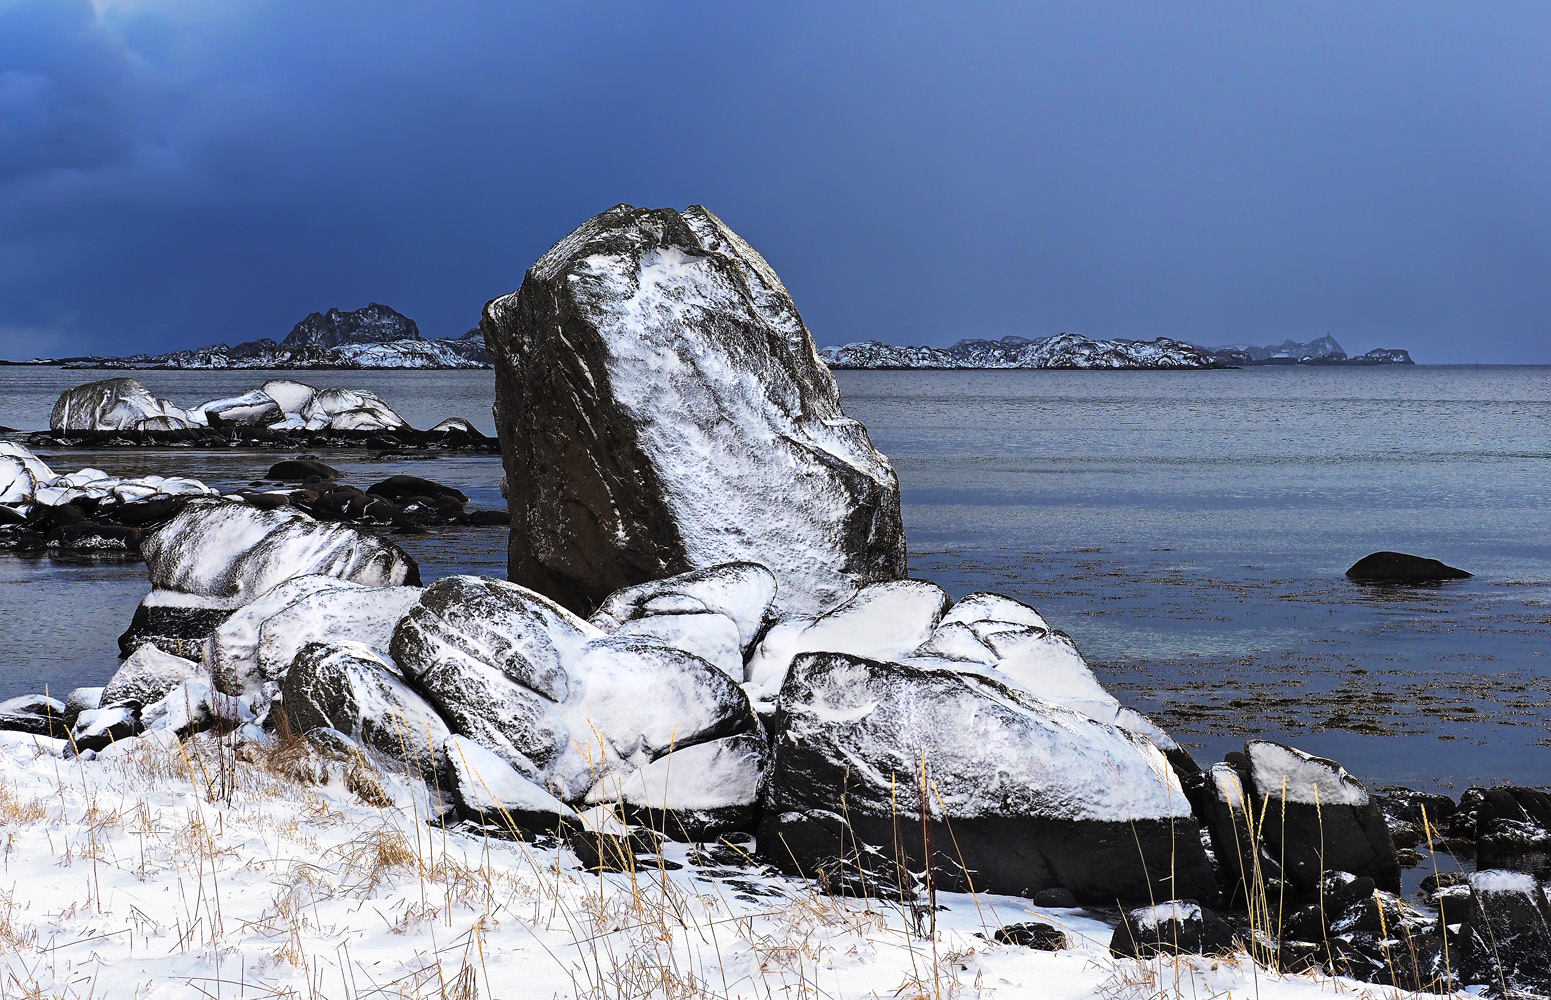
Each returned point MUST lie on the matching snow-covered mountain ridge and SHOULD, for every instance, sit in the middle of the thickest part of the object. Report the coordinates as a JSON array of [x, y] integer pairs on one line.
[[375, 336], [1075, 351]]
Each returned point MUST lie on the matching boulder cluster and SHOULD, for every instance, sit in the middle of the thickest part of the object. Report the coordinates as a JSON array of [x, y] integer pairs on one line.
[[281, 412], [92, 513]]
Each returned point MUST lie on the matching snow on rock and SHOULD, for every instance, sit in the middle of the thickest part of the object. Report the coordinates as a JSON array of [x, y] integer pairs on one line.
[[560, 701], [147, 675], [488, 790], [1031, 795], [35, 714], [1179, 926], [251, 651], [291, 396], [881, 621], [25, 480], [742, 591], [113, 404], [695, 792], [712, 637], [661, 408], [356, 690], [193, 705], [1321, 818], [1008, 640], [252, 409], [1505, 934], [217, 555]]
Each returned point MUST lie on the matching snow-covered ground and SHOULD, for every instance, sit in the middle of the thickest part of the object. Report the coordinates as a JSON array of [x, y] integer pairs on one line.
[[162, 869]]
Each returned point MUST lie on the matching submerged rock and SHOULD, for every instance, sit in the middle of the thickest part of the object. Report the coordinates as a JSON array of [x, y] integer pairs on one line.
[[1403, 569], [662, 408], [1024, 794]]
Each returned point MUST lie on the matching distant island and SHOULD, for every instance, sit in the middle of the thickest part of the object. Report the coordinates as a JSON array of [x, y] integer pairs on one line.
[[376, 336], [1076, 352]]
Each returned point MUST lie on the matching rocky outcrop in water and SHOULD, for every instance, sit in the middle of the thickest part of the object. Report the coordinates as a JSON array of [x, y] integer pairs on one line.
[[661, 407], [1402, 569], [1063, 351], [372, 337], [282, 412]]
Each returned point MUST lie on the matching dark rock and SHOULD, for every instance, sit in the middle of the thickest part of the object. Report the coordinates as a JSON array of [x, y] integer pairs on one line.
[[661, 407], [1400, 568], [1312, 816], [267, 501], [1033, 934], [99, 727], [36, 715], [1026, 796], [10, 515], [1056, 898], [347, 687], [300, 470], [1178, 927], [1505, 937], [487, 518], [152, 511], [85, 536], [176, 630], [1411, 814], [404, 487]]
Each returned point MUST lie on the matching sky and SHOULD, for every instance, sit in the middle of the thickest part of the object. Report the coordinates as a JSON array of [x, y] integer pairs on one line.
[[183, 172]]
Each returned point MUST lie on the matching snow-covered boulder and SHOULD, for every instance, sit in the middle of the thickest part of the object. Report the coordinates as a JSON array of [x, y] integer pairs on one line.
[[576, 710], [21, 473], [114, 404], [35, 714], [740, 591], [289, 395], [1179, 926], [217, 555], [883, 621], [1319, 818], [1505, 933], [1009, 641], [252, 409], [147, 675], [355, 689], [1027, 794], [352, 410], [250, 652], [661, 407], [194, 705], [487, 789]]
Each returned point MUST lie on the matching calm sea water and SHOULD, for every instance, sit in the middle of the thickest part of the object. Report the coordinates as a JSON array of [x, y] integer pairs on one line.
[[1190, 529]]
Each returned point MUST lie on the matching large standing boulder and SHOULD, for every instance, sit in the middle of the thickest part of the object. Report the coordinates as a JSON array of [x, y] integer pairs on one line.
[[1022, 795], [217, 555], [661, 408], [590, 717]]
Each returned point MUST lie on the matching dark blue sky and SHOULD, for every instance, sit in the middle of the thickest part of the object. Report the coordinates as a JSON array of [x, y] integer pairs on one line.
[[179, 173]]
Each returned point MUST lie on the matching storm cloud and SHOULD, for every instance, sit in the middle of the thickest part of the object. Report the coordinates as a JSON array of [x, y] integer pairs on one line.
[[179, 173]]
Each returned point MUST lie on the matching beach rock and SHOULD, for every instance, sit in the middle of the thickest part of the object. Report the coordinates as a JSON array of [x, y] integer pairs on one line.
[[1010, 642], [300, 470], [81, 699], [217, 555], [661, 408], [712, 637], [291, 396], [101, 727], [1177, 927], [251, 651], [881, 621], [1410, 815], [354, 689], [1035, 934], [351, 410], [1505, 935], [401, 488], [252, 409], [89, 536], [147, 675], [35, 714], [1319, 819], [582, 713], [1505, 823], [488, 790], [1057, 898], [695, 792], [1029, 795], [1403, 569], [112, 404], [194, 706], [742, 592]]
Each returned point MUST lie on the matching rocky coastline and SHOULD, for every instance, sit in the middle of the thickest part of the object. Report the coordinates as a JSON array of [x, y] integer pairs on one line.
[[708, 636]]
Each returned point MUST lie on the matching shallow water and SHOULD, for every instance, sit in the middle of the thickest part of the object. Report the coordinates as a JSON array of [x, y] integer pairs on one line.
[[1190, 529]]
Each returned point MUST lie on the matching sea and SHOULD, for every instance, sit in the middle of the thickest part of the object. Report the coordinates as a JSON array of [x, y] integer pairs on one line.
[[1189, 529]]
